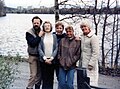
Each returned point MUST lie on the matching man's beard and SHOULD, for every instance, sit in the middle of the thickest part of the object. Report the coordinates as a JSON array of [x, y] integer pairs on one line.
[[37, 29]]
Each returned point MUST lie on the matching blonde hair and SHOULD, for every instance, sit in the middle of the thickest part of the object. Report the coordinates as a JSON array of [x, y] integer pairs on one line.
[[69, 27], [85, 22]]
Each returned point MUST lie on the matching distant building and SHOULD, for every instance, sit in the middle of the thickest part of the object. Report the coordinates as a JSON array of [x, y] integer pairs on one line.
[[29, 7], [20, 8]]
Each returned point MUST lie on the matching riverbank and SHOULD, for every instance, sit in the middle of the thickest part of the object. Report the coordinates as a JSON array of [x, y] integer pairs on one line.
[[23, 76], [2, 14]]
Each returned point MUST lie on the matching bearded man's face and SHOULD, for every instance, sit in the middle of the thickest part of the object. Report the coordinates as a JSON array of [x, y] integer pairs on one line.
[[36, 24]]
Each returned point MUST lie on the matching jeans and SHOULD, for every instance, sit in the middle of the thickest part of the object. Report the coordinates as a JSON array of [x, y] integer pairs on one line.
[[66, 78]]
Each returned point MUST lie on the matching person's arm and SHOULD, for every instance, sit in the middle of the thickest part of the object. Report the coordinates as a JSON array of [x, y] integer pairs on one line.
[[59, 50], [40, 50], [95, 51], [31, 40], [55, 46], [78, 52]]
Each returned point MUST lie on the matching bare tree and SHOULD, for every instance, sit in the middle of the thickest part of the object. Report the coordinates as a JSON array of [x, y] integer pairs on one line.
[[107, 23], [57, 9], [103, 35], [112, 37]]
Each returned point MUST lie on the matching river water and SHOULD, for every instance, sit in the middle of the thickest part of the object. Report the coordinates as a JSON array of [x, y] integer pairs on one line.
[[12, 32]]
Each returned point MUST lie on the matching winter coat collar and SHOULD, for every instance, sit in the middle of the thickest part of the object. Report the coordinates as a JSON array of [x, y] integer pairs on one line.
[[91, 34]]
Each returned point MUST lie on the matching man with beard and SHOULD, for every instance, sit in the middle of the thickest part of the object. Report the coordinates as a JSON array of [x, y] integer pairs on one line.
[[33, 37]]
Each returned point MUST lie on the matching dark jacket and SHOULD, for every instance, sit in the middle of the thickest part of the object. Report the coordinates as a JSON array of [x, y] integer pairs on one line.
[[69, 52], [59, 37], [32, 41]]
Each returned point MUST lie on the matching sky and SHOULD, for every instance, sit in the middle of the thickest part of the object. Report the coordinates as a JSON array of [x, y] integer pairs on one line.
[[38, 3], [25, 3]]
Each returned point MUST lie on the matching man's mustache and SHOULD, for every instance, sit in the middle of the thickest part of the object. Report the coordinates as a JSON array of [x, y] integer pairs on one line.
[[36, 26]]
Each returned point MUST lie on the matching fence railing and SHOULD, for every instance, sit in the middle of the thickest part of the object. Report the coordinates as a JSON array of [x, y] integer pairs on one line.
[[83, 82]]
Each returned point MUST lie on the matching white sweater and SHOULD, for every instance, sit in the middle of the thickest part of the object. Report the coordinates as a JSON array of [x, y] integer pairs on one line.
[[48, 43]]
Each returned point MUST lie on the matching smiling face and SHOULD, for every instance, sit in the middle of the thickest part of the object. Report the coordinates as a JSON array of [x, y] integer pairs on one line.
[[69, 31], [59, 29], [85, 29], [47, 27], [36, 24]]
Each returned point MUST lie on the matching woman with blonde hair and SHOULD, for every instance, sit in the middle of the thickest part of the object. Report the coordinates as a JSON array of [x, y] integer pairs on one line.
[[90, 52]]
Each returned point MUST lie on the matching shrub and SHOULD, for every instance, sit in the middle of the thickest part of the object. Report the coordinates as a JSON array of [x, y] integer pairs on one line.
[[8, 68]]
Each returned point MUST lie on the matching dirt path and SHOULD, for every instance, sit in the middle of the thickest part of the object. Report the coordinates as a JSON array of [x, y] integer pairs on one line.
[[23, 76]]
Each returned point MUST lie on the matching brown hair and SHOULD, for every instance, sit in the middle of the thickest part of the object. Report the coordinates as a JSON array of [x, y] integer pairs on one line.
[[69, 27], [59, 24], [48, 23]]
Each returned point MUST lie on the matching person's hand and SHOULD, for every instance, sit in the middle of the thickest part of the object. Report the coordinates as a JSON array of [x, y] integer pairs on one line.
[[48, 61], [41, 33], [77, 38], [90, 67]]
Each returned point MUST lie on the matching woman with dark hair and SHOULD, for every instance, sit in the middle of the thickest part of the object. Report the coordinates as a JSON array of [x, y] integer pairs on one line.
[[47, 52]]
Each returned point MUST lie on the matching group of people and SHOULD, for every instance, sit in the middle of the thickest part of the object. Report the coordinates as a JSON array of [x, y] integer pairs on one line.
[[57, 51]]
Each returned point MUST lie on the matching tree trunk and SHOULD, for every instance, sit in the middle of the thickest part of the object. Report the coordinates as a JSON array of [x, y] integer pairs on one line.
[[2, 8], [94, 16], [117, 55], [56, 11], [117, 41], [113, 33], [103, 35]]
